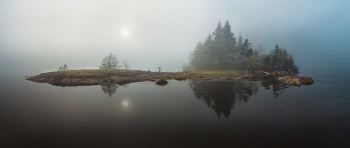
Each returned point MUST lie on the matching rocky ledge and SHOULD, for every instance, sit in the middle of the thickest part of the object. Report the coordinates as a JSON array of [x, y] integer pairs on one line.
[[272, 72], [75, 79], [296, 80]]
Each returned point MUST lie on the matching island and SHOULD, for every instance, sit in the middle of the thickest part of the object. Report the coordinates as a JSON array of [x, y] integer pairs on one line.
[[220, 57], [119, 76]]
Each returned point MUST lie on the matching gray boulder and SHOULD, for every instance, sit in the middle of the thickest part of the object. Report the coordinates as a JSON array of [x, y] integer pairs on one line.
[[296, 80]]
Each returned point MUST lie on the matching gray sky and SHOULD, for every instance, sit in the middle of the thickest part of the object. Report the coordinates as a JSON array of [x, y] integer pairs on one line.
[[38, 36]]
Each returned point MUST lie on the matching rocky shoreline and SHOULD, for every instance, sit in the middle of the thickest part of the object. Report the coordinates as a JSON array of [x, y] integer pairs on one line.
[[296, 80], [64, 79]]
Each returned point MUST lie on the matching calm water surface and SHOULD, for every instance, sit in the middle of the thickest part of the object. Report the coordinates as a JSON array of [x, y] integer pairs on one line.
[[181, 114]]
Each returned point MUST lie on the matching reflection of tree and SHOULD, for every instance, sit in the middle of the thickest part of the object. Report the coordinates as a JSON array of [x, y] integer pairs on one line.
[[221, 96], [277, 86], [109, 88]]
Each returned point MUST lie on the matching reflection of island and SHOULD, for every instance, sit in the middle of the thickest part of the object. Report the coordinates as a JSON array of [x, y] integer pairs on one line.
[[277, 86], [221, 96], [109, 88]]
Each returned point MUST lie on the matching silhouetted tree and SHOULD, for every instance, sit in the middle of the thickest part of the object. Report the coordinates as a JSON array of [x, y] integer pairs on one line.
[[246, 51], [159, 69], [229, 44], [218, 43], [208, 51], [64, 68], [267, 61], [240, 43], [274, 60]]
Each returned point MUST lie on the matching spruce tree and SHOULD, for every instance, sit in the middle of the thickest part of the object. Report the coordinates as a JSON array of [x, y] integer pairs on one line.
[[208, 50], [240, 43], [218, 42], [246, 51], [198, 52], [229, 42]]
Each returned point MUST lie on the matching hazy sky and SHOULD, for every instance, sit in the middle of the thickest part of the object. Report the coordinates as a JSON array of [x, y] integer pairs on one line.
[[39, 36]]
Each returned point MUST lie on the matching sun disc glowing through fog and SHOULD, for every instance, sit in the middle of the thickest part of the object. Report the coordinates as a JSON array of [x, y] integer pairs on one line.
[[125, 32]]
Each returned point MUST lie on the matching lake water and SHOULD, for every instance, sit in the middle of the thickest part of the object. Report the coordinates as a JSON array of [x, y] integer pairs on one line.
[[181, 114]]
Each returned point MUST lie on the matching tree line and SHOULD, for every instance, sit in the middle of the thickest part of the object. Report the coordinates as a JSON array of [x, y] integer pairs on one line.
[[222, 50]]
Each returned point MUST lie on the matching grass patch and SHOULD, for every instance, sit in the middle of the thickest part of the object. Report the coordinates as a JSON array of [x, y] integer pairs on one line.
[[223, 72], [165, 77], [180, 76], [88, 73]]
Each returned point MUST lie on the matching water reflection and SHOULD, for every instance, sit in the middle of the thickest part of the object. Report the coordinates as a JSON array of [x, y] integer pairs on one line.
[[277, 86], [109, 88], [125, 103], [221, 96]]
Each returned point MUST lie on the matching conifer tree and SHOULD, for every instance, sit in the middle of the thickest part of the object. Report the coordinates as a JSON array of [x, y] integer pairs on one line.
[[240, 43], [229, 42], [267, 61]]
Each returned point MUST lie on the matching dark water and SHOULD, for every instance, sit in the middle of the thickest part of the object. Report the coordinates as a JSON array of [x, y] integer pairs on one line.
[[180, 114]]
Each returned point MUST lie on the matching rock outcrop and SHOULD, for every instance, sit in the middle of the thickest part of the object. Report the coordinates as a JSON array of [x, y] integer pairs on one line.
[[296, 80], [275, 72], [162, 82], [248, 77]]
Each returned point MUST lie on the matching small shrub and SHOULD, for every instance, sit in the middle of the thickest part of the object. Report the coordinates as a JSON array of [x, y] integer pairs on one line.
[[180, 76], [162, 82]]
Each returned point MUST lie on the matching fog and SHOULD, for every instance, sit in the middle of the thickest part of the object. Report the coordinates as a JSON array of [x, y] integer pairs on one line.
[[39, 36]]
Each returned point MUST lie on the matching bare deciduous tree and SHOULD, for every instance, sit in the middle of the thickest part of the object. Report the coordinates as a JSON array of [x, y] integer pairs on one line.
[[64, 68], [126, 64]]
